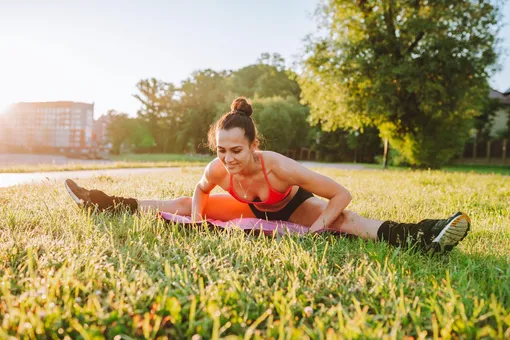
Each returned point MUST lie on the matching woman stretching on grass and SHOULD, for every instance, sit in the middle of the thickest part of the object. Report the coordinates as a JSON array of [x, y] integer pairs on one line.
[[267, 185]]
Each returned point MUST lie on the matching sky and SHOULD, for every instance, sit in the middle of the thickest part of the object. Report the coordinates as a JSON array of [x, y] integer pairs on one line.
[[96, 51]]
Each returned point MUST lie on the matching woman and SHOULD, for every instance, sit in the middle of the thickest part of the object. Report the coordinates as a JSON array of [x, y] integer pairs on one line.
[[268, 185]]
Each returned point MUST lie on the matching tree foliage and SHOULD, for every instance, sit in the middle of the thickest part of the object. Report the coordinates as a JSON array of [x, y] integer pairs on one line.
[[348, 145], [179, 116], [132, 133], [161, 111], [266, 78], [415, 69], [118, 129], [200, 96], [281, 122]]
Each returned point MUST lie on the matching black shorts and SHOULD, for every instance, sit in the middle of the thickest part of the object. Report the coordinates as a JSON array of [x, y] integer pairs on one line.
[[283, 214]]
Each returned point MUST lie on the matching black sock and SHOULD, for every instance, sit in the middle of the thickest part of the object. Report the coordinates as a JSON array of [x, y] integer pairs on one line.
[[407, 234]]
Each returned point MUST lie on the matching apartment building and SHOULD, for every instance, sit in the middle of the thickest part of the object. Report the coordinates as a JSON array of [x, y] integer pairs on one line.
[[500, 121], [101, 131], [63, 127]]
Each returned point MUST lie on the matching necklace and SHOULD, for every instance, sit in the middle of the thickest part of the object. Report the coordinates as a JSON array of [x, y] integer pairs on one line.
[[245, 191]]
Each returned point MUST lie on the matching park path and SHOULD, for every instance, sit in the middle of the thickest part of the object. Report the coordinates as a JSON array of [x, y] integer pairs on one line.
[[10, 179], [14, 159]]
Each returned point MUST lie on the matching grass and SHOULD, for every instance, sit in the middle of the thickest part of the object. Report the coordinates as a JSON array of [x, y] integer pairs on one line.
[[116, 162], [64, 272], [477, 169], [482, 169]]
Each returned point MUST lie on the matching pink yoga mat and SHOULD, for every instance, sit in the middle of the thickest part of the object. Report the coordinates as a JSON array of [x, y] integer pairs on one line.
[[246, 224]]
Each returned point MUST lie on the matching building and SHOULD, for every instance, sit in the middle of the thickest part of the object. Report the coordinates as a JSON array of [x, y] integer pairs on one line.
[[493, 148], [63, 127], [100, 130], [499, 126]]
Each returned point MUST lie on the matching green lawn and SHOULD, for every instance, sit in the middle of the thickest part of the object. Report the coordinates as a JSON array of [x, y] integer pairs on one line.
[[482, 169], [64, 272], [478, 169]]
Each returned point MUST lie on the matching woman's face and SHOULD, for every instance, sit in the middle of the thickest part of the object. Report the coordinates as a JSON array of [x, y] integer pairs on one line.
[[233, 149]]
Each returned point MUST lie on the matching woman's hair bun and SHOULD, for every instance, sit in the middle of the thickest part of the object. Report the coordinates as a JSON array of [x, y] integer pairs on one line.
[[242, 106]]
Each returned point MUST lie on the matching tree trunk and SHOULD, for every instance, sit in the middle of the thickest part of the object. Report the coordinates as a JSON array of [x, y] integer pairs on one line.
[[385, 155]]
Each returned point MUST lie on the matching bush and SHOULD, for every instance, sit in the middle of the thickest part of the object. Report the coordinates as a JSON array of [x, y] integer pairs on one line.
[[434, 144]]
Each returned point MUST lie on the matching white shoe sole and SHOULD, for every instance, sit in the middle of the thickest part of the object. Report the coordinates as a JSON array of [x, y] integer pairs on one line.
[[454, 232], [78, 200]]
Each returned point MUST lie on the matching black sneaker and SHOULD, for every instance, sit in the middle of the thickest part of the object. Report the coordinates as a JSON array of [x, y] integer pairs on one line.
[[448, 233], [427, 235], [99, 200], [80, 195]]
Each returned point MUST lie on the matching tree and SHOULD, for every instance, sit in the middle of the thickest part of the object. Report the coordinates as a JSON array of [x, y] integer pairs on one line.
[[267, 78], [281, 122], [415, 69], [298, 113], [125, 131], [179, 117], [348, 146], [161, 112], [140, 138], [117, 130], [200, 96]]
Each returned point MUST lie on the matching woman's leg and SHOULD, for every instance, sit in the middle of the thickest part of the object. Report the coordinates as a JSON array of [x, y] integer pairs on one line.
[[348, 222], [438, 235], [221, 207]]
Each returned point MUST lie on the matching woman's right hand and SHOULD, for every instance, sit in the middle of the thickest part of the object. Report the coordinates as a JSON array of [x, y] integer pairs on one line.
[[198, 204], [201, 194]]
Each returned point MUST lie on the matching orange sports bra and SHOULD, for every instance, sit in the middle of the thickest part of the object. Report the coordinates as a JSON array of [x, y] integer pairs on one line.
[[274, 195]]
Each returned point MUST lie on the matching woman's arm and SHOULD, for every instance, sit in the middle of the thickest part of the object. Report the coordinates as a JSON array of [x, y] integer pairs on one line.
[[198, 203], [209, 180], [294, 173]]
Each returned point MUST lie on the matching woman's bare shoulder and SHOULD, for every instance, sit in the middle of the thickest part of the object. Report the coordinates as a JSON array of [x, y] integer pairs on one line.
[[276, 161], [215, 171]]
